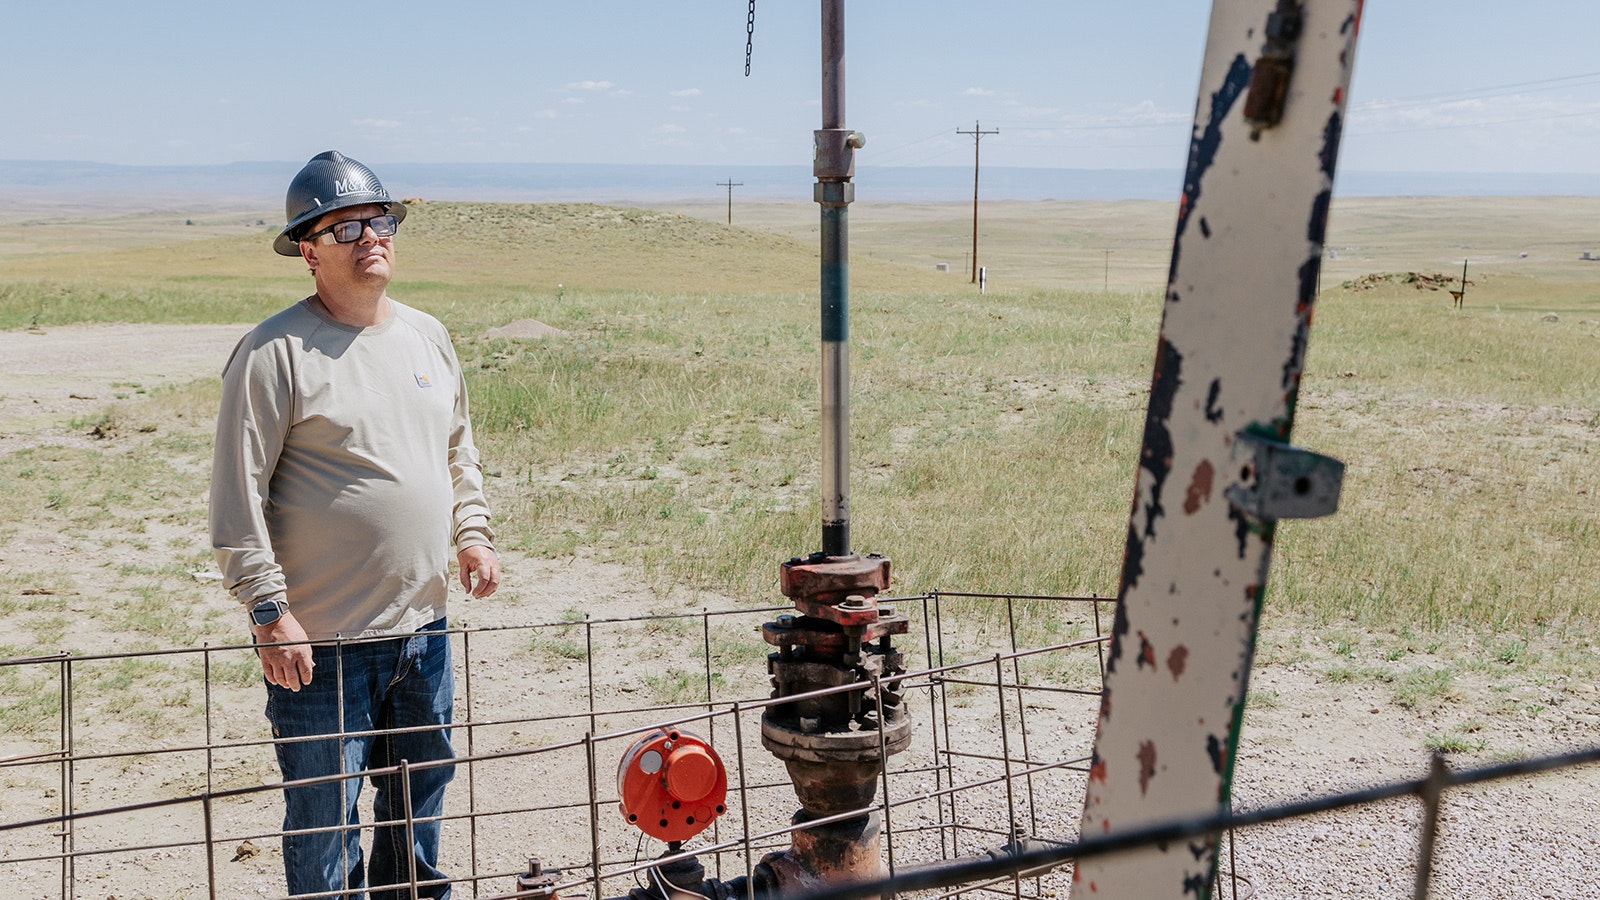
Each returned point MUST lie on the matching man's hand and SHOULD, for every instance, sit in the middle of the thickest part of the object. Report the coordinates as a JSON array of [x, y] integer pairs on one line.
[[482, 562], [290, 666]]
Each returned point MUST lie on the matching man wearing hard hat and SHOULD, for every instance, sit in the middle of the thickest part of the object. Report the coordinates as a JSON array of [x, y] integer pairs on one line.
[[344, 473]]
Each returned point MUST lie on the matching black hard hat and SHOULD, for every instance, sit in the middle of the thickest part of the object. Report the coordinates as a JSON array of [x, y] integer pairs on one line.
[[329, 181]]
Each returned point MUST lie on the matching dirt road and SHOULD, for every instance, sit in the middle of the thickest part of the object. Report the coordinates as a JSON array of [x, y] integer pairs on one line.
[[49, 376]]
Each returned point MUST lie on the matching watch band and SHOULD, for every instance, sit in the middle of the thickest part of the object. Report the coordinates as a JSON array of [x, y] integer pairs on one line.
[[268, 611]]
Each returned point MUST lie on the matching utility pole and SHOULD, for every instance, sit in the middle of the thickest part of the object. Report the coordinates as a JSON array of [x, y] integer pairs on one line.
[[1460, 296], [730, 184], [977, 133]]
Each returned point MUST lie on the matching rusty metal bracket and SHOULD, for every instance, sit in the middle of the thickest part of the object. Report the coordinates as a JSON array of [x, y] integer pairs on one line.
[[834, 152], [1281, 481], [539, 882], [1269, 78]]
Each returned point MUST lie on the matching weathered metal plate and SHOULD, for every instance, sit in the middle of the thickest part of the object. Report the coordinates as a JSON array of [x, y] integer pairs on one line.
[[1232, 347]]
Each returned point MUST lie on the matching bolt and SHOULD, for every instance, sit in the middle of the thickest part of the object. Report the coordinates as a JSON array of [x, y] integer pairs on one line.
[[535, 867], [786, 621]]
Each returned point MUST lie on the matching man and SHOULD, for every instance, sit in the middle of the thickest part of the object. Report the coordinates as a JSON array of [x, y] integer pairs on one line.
[[344, 470]]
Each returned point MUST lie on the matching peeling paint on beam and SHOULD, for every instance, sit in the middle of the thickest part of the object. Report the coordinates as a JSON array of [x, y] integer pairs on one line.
[[1234, 336]]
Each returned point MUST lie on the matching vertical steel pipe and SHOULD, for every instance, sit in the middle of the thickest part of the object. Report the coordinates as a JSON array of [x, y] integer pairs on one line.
[[832, 63], [834, 165]]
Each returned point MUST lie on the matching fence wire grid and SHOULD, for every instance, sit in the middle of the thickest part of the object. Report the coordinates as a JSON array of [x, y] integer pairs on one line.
[[181, 797]]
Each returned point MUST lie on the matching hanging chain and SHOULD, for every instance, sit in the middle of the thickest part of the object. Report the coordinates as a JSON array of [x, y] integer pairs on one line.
[[749, 37]]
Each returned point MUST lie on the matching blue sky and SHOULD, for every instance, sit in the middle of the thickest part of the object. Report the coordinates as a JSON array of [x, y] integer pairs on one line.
[[1456, 86]]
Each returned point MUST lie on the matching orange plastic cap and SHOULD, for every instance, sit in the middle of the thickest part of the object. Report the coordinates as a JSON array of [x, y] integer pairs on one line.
[[691, 773]]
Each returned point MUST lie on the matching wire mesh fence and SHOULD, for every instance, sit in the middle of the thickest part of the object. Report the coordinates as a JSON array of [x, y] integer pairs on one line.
[[183, 798], [180, 796]]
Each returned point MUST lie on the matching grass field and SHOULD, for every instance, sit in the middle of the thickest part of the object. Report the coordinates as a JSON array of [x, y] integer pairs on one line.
[[673, 425]]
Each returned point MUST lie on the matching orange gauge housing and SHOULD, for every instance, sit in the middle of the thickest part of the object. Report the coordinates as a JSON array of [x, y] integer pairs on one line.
[[672, 785]]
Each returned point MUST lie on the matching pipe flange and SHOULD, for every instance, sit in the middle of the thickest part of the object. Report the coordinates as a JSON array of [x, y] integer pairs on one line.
[[787, 742]]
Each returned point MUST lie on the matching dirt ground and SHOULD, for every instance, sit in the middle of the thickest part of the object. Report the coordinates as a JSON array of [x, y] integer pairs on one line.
[[1312, 730], [51, 376]]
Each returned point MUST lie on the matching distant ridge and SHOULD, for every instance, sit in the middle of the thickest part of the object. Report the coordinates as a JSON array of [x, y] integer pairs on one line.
[[262, 183]]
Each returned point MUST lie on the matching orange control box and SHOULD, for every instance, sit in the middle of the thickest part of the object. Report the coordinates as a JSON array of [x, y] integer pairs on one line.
[[672, 785]]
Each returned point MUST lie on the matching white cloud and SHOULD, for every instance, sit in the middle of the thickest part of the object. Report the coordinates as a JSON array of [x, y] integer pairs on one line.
[[573, 101], [590, 86], [377, 123], [686, 92], [669, 128], [977, 92], [1388, 114], [1146, 112]]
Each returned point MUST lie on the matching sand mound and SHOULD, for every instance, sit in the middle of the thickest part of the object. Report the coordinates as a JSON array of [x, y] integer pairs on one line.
[[526, 329]]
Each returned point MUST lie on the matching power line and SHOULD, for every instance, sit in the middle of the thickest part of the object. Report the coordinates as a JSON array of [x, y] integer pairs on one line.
[[1494, 90], [1176, 120], [921, 140], [1355, 132]]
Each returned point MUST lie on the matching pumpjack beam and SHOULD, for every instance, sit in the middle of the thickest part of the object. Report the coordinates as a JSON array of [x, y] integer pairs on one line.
[[1216, 470]]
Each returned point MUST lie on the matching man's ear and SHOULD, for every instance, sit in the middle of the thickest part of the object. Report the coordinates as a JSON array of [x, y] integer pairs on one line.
[[308, 252]]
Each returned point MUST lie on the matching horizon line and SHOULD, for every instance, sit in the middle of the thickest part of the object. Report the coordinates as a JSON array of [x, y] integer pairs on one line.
[[787, 166]]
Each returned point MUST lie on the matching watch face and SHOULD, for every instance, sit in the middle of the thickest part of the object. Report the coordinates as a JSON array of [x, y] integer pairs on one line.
[[266, 614]]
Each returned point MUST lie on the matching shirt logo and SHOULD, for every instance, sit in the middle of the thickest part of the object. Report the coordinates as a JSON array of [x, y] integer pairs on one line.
[[422, 380]]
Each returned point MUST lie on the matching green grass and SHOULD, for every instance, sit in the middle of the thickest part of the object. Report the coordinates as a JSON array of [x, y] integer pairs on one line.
[[55, 301], [1460, 738], [677, 686], [673, 426], [32, 692], [1420, 685]]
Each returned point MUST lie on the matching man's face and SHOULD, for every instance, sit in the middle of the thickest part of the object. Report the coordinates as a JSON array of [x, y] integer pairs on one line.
[[364, 261]]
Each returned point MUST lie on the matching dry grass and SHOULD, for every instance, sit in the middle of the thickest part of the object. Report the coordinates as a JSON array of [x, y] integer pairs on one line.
[[674, 424]]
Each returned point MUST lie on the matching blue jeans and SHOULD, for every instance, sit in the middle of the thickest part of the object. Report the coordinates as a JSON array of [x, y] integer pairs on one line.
[[401, 683]]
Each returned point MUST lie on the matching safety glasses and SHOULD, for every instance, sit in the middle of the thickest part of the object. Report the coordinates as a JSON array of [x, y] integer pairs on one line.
[[350, 230]]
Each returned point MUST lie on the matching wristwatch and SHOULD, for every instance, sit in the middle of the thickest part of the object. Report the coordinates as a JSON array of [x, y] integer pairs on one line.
[[268, 611]]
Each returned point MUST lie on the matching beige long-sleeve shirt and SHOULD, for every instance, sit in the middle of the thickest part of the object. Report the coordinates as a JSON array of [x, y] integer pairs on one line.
[[344, 470]]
